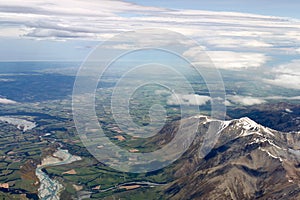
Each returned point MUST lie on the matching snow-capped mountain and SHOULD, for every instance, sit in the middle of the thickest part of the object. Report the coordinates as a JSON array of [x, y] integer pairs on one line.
[[248, 161]]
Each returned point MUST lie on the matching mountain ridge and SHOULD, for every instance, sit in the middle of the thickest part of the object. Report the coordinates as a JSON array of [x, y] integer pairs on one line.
[[248, 161]]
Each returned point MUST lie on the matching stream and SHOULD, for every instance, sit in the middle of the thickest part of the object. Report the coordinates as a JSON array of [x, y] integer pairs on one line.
[[50, 189]]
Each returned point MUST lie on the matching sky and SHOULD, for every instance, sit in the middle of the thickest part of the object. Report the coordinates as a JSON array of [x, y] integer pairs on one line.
[[236, 34], [289, 8]]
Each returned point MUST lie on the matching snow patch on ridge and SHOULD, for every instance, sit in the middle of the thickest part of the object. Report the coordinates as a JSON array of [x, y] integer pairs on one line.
[[271, 155], [250, 127], [224, 124]]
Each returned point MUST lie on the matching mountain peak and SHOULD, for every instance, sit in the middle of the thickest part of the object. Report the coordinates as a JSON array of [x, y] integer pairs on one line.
[[248, 161]]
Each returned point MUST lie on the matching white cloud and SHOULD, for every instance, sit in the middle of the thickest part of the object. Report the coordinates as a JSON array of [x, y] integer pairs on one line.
[[283, 97], [292, 68], [233, 40], [92, 19], [6, 80], [227, 59], [249, 100], [6, 101], [188, 99], [287, 81], [245, 100], [287, 75], [236, 60], [227, 103]]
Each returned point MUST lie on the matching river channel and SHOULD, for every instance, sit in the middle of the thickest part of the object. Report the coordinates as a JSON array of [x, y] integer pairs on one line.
[[50, 189]]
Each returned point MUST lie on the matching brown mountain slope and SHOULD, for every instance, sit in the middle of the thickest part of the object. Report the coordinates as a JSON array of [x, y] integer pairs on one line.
[[249, 161]]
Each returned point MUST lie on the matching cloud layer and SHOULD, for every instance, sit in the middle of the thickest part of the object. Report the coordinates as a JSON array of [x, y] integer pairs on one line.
[[94, 20], [286, 75], [188, 99], [228, 59], [244, 100], [6, 101], [249, 100], [233, 40]]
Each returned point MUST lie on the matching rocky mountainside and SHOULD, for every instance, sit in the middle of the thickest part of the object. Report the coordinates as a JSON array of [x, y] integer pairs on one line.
[[249, 161], [279, 116]]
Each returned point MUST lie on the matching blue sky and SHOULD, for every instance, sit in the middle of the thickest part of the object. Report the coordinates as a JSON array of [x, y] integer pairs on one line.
[[289, 8]]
